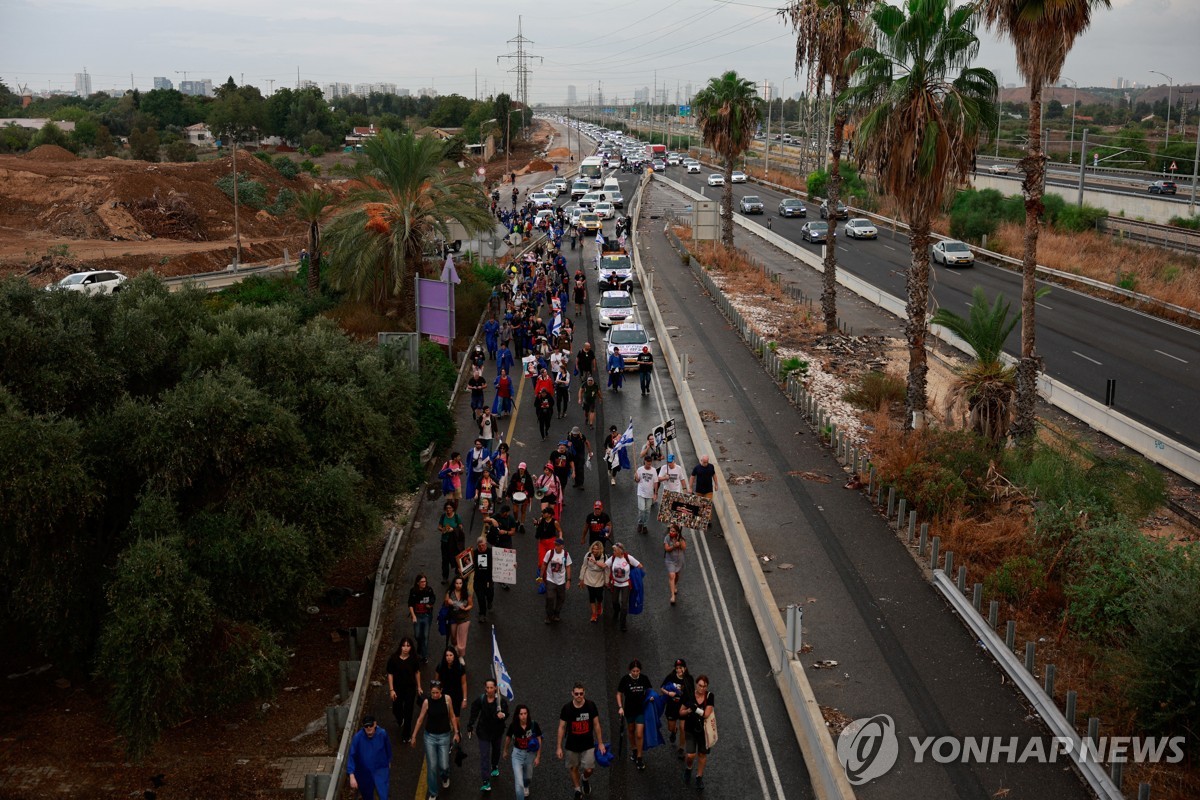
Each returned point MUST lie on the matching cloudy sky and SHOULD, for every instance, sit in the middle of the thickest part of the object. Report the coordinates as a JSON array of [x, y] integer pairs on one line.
[[453, 45]]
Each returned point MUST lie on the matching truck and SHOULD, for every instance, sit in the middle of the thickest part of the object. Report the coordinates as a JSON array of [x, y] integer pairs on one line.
[[654, 151], [614, 268]]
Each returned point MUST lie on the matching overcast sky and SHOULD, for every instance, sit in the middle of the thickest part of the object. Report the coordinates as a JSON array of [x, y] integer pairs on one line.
[[453, 45]]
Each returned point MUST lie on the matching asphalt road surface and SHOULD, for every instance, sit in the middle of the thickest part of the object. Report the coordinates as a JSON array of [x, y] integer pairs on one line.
[[1084, 341], [710, 627]]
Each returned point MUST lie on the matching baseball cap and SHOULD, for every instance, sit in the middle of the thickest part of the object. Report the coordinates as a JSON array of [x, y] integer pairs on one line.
[[558, 540], [368, 721], [670, 457], [597, 504], [521, 465], [679, 662]]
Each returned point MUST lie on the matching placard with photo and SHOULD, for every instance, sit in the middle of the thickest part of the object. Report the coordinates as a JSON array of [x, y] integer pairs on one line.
[[685, 509]]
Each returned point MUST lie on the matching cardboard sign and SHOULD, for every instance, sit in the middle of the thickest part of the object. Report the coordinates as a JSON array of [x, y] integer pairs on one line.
[[504, 565], [465, 562], [685, 509]]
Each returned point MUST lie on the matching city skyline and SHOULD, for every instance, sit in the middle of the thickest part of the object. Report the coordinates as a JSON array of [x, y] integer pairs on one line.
[[455, 50]]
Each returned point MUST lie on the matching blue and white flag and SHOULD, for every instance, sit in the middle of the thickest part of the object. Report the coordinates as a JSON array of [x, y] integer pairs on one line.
[[599, 239], [499, 672], [556, 324], [626, 437]]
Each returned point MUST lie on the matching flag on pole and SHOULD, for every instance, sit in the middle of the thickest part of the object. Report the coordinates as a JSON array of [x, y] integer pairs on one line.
[[556, 324], [626, 437], [499, 672], [599, 239], [449, 273]]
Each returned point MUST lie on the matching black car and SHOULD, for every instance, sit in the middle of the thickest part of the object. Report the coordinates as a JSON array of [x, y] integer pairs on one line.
[[1162, 187], [841, 213], [792, 208], [816, 231]]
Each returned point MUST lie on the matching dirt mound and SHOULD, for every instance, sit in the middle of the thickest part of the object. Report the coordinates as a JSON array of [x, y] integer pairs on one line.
[[559, 152], [50, 152], [538, 165]]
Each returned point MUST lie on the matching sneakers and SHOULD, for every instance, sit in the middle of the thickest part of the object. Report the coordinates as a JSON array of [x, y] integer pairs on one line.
[[495, 772], [671, 738], [687, 777], [700, 783], [578, 795], [445, 781], [487, 786], [612, 480], [640, 763], [587, 787]]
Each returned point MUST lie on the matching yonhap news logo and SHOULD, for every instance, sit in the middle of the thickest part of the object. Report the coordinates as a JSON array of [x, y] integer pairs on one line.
[[869, 747]]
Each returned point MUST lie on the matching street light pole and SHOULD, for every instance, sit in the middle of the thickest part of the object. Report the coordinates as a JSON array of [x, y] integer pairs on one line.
[[1074, 100], [1170, 96], [767, 141]]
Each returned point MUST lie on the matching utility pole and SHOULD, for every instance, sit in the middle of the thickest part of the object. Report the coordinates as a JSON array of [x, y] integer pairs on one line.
[[1195, 169], [1170, 94], [1083, 167], [271, 86], [522, 57], [237, 230], [767, 141]]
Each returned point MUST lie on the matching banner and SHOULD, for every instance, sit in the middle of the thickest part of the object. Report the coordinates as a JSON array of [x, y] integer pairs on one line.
[[504, 565], [685, 509]]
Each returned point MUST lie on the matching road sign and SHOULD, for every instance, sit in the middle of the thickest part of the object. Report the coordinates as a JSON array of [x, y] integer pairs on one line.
[[1174, 166], [685, 111]]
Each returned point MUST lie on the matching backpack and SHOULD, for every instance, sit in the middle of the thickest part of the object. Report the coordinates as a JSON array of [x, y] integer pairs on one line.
[[443, 620]]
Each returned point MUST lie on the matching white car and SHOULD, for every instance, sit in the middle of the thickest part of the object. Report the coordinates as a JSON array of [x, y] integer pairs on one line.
[[1000, 169], [614, 162], [674, 158], [561, 184], [92, 282], [551, 189], [739, 176], [579, 188], [716, 179], [629, 338], [590, 199], [693, 166], [615, 308], [541, 200], [543, 216], [859, 228], [952, 253], [605, 210]]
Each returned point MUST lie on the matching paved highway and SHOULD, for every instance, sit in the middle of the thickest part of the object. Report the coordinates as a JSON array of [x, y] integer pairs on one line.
[[1084, 341]]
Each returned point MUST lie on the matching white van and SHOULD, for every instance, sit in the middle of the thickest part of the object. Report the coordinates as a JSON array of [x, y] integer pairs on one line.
[[611, 185]]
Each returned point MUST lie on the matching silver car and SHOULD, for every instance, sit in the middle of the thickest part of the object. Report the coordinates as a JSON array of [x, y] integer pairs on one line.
[[91, 282], [952, 253]]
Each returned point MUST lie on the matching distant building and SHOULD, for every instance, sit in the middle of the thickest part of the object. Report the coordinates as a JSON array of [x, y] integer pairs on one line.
[[571, 96], [427, 92], [202, 88], [199, 134], [307, 84], [641, 95], [403, 93], [83, 84], [163, 83], [35, 124], [439, 133], [358, 135]]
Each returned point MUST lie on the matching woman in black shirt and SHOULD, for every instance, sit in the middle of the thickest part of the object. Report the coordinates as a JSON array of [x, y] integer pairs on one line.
[[452, 674], [404, 683], [421, 601], [696, 708], [632, 691], [678, 685], [525, 739], [437, 715]]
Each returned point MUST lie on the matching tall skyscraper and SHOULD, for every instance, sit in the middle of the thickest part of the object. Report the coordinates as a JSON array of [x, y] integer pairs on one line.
[[83, 84], [572, 99], [163, 83]]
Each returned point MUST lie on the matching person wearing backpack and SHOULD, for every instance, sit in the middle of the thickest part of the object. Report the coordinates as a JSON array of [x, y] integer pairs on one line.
[[453, 539], [489, 714], [525, 739]]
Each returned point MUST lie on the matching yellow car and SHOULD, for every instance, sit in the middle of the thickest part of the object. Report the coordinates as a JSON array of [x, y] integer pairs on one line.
[[591, 222]]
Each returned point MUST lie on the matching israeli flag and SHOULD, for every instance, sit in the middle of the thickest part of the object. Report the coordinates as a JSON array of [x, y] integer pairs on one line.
[[556, 324], [599, 239], [626, 437], [499, 672]]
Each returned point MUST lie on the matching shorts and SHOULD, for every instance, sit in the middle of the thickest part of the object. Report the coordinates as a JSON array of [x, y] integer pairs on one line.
[[595, 594], [637, 719], [694, 743], [585, 760]]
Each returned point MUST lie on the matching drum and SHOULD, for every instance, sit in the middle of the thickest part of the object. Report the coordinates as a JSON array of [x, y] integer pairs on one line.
[[519, 497]]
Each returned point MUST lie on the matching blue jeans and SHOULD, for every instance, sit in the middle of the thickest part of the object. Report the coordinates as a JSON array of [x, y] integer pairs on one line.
[[645, 378], [421, 634], [522, 764], [437, 759], [645, 504]]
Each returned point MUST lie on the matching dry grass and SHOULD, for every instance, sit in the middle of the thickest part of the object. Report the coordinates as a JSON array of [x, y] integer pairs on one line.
[[361, 320]]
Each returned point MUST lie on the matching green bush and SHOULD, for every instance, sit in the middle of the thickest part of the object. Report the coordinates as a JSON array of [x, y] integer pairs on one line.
[[263, 156], [251, 193], [1016, 579], [1186, 222], [309, 167], [1076, 219], [1080, 478], [316, 151], [875, 390], [1107, 563], [285, 166], [283, 202], [816, 183]]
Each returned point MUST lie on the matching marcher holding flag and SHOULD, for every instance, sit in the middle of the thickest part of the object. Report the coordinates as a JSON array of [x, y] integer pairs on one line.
[[616, 450]]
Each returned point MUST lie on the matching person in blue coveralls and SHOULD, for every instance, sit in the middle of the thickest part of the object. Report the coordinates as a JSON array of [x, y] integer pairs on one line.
[[370, 760]]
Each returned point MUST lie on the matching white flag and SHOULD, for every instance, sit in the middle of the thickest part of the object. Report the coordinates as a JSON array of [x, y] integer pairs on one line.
[[449, 273], [499, 672]]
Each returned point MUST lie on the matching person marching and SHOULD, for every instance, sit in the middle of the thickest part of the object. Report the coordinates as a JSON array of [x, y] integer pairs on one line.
[[441, 728], [369, 762], [451, 671], [678, 685], [562, 391], [580, 735], [452, 540], [620, 564], [646, 479], [632, 691], [461, 603], [404, 683], [487, 721], [525, 739], [521, 484], [616, 370], [594, 575], [589, 397], [556, 576], [674, 549], [548, 489], [543, 408], [645, 362], [695, 709], [485, 589], [421, 600]]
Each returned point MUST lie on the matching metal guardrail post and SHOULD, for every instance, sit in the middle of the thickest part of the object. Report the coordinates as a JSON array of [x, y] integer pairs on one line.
[[1051, 672], [1010, 634], [933, 552], [901, 513], [949, 568], [924, 538], [962, 578], [993, 614], [891, 504], [912, 526], [977, 596], [1069, 713], [1030, 656]]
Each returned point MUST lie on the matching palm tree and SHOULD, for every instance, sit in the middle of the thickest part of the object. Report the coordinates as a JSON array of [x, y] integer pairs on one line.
[[987, 385], [1043, 34], [309, 208], [727, 112], [921, 110], [827, 33], [404, 195]]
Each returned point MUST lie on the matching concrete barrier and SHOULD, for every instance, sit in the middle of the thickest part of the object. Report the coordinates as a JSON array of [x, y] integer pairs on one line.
[[1148, 207], [1175, 456], [820, 756]]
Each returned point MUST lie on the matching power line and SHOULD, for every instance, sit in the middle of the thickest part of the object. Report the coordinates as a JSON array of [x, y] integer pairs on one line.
[[522, 66]]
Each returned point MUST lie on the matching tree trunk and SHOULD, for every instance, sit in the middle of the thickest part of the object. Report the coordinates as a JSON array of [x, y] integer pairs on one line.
[[833, 195], [727, 204], [1034, 165], [314, 259], [917, 324]]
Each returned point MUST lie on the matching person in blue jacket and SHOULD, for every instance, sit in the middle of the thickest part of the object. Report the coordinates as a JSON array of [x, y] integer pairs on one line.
[[491, 335], [616, 370], [369, 762]]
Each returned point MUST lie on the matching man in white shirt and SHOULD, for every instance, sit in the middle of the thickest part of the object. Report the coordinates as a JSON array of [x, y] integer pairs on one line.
[[646, 478], [556, 575], [556, 362], [672, 476]]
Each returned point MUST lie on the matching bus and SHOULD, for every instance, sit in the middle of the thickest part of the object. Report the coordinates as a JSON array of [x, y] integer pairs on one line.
[[591, 168]]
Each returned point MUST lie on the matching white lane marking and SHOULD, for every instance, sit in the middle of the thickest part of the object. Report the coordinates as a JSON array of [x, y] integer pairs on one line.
[[708, 571], [1086, 358], [1043, 305], [1168, 355], [889, 247]]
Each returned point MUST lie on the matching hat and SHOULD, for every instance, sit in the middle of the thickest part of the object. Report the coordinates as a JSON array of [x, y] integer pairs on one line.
[[670, 458], [558, 540], [368, 720], [597, 504], [679, 662], [548, 466], [521, 465], [575, 430]]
